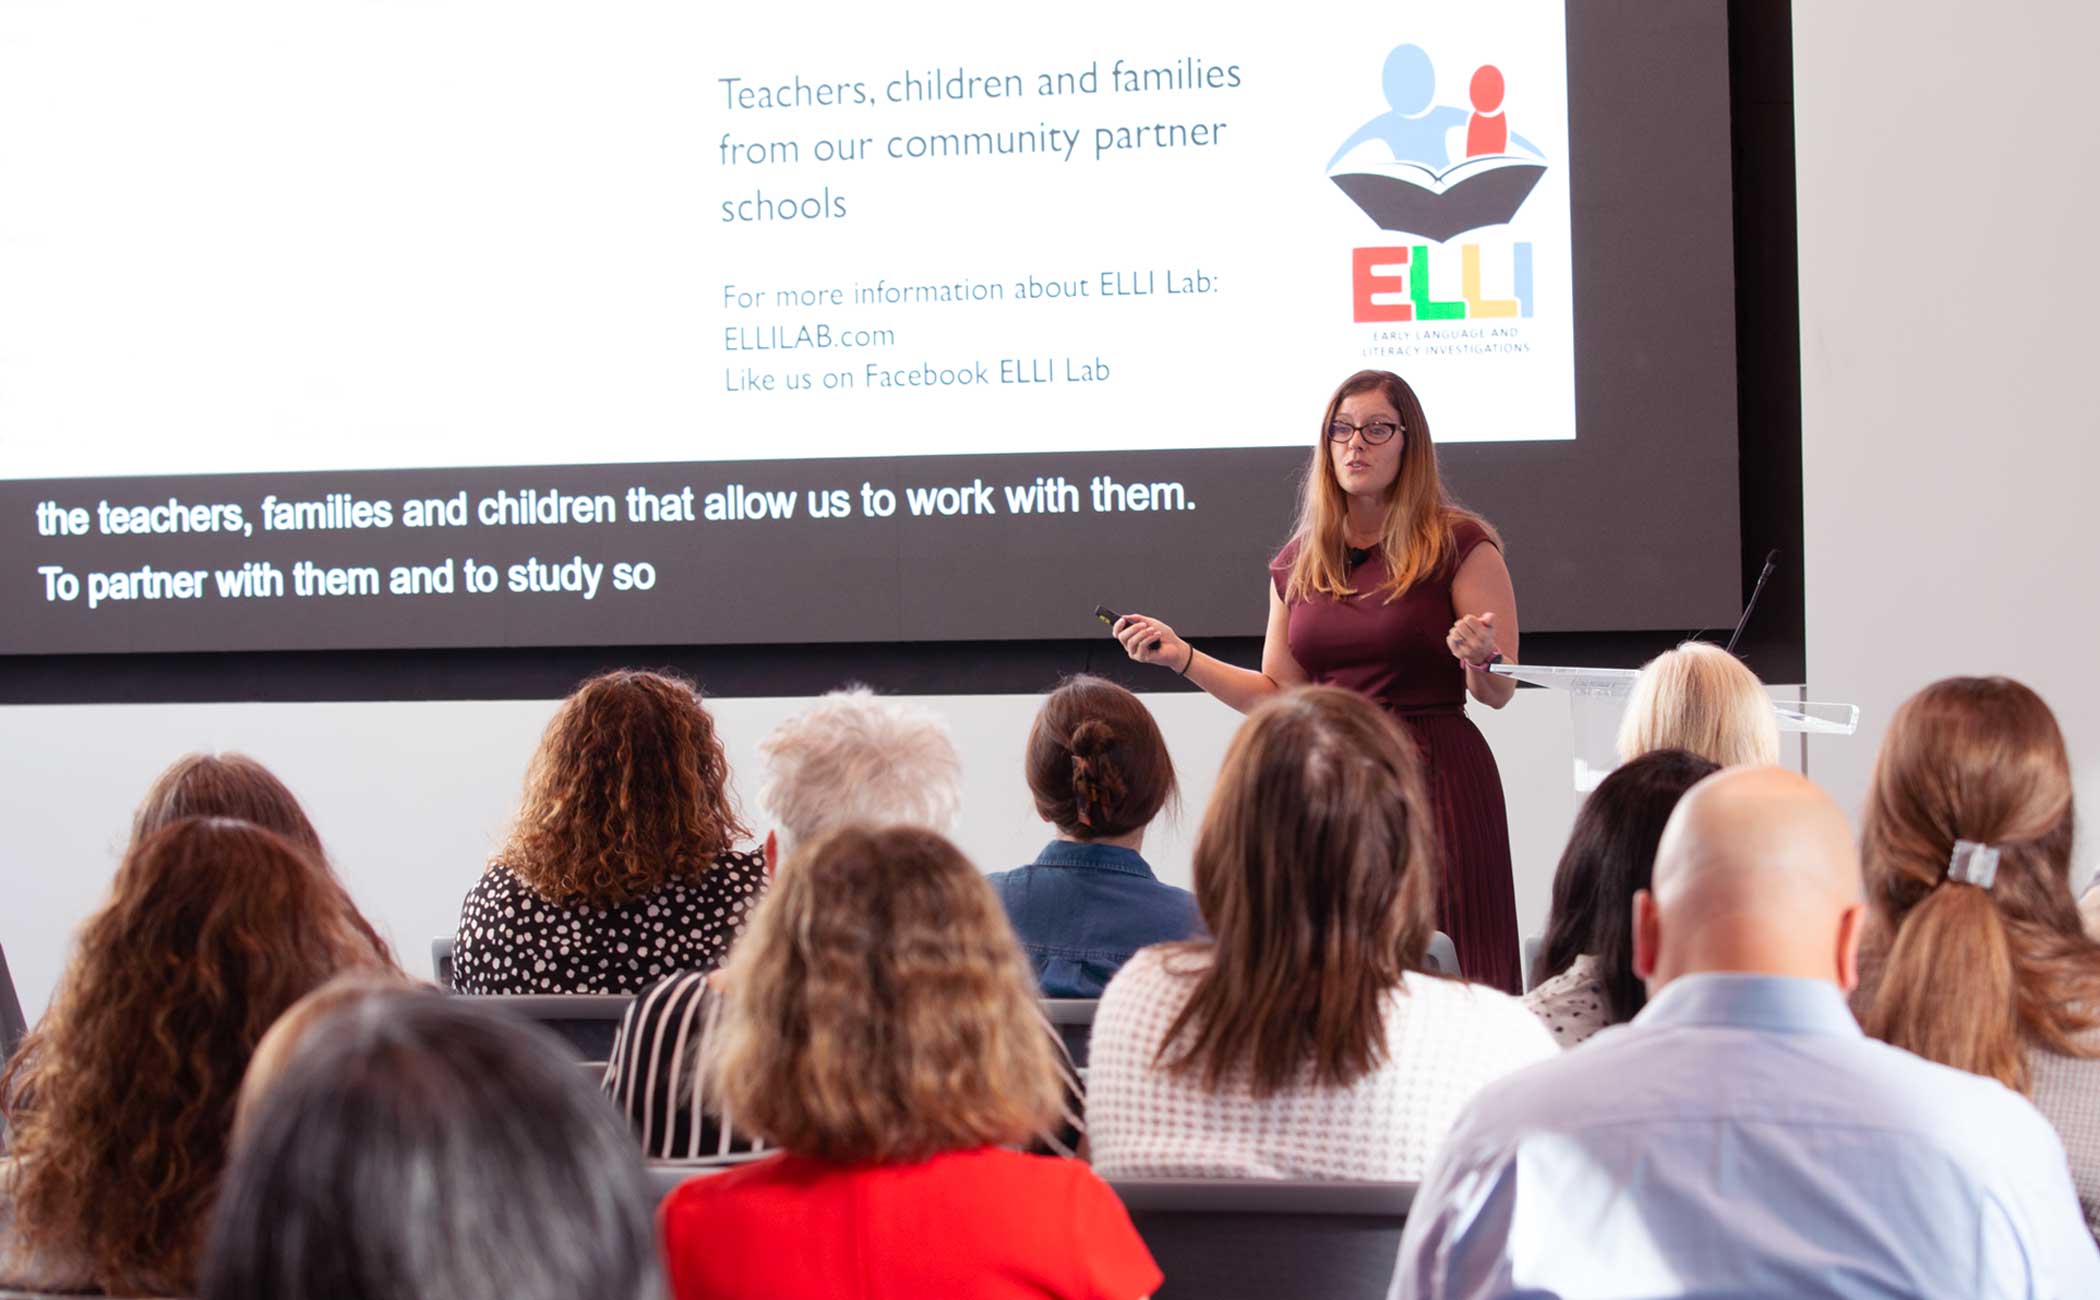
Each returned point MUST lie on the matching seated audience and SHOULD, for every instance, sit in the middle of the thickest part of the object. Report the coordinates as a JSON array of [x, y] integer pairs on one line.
[[883, 1033], [1742, 1136], [1584, 976], [1700, 698], [1100, 773], [621, 867], [1977, 956], [852, 758], [415, 1148], [1302, 1038], [118, 1105]]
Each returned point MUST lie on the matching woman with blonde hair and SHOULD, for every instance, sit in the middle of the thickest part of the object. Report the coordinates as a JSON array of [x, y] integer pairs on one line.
[[1301, 1039], [1390, 588], [882, 1030], [119, 1105], [622, 865], [1703, 700], [1975, 955]]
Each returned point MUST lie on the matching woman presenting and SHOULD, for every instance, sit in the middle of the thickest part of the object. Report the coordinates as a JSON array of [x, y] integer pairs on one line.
[[1388, 588]]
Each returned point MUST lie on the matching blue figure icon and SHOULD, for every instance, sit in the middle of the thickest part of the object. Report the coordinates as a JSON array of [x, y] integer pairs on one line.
[[1414, 130]]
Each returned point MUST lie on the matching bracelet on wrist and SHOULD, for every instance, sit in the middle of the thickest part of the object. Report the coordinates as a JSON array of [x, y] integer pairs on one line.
[[1188, 663]]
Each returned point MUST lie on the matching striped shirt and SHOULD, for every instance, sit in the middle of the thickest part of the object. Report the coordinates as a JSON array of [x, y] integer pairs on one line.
[[656, 1078]]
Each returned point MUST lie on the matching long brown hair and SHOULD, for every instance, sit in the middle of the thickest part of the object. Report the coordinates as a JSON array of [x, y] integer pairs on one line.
[[880, 1008], [1315, 873], [1419, 517], [628, 791], [1097, 763], [120, 1104], [1973, 975], [224, 785]]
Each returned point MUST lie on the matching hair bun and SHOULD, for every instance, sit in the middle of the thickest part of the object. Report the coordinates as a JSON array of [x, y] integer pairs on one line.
[[1091, 738]]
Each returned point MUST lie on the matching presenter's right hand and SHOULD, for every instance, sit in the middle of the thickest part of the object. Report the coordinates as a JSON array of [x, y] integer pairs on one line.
[[1138, 632]]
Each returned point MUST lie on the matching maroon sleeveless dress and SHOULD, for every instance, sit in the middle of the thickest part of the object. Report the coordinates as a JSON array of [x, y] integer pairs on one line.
[[1395, 653]]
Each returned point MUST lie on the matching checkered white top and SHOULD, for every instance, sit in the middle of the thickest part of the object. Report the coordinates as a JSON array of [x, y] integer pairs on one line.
[[1444, 1040], [2066, 1089]]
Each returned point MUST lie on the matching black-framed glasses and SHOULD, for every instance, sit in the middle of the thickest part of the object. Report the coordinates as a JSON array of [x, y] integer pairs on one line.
[[1377, 432]]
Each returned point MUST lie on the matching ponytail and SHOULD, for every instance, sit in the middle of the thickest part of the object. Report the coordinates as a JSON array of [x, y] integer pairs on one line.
[[1950, 991], [1097, 787]]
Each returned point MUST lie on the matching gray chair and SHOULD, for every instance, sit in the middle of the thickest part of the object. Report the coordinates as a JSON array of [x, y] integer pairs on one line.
[[1073, 1018], [1224, 1239], [587, 1022], [441, 961], [1532, 944], [1443, 954], [12, 1023]]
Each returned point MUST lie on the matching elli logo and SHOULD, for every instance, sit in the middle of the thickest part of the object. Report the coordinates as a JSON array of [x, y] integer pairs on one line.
[[1420, 191]]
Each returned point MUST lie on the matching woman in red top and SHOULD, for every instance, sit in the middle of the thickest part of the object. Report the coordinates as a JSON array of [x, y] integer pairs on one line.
[[1389, 588], [882, 1030]]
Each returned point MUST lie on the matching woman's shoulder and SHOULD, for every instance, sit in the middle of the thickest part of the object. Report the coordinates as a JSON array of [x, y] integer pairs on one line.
[[1468, 530], [1281, 564], [31, 1268], [735, 874], [1469, 1011], [1151, 985]]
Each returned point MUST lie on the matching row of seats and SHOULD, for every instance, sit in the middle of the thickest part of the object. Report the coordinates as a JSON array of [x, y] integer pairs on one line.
[[589, 1022]]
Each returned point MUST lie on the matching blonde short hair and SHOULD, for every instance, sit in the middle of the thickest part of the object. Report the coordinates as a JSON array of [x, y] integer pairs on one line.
[[1700, 698], [854, 758], [880, 1008]]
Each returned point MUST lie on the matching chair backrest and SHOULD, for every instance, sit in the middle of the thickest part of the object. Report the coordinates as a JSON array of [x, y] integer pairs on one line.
[[1443, 954], [1532, 944], [441, 961], [12, 1023], [1224, 1239], [587, 1022], [1073, 1018]]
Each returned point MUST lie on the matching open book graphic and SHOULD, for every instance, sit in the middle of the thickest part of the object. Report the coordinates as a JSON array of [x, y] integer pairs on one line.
[[1412, 199]]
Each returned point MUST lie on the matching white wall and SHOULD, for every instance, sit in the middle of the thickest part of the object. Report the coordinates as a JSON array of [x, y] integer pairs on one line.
[[1949, 179], [411, 798]]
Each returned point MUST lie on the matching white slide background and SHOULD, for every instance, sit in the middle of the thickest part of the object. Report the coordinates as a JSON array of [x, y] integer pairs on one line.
[[240, 235]]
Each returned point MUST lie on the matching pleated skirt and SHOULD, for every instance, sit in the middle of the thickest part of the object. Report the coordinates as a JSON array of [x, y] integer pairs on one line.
[[1476, 894]]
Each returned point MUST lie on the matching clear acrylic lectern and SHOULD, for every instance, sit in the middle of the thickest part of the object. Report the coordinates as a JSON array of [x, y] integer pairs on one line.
[[1597, 701]]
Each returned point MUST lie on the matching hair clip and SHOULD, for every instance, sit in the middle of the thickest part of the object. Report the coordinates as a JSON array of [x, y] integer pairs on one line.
[[1973, 864]]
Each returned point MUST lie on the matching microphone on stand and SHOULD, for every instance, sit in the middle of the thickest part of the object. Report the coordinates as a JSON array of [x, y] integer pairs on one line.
[[1771, 561]]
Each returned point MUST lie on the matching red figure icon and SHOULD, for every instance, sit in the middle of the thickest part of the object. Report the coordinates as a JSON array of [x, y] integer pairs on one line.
[[1487, 131]]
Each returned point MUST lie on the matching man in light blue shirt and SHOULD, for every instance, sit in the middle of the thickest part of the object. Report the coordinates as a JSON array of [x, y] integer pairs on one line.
[[1741, 1137]]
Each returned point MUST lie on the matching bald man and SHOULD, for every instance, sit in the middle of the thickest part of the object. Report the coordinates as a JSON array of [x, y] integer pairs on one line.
[[1741, 1137]]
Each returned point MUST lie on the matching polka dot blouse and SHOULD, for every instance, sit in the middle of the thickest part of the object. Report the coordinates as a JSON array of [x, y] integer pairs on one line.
[[1572, 1004], [511, 940]]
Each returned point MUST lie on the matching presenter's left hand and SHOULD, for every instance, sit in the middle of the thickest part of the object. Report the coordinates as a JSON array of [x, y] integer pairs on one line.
[[1472, 638]]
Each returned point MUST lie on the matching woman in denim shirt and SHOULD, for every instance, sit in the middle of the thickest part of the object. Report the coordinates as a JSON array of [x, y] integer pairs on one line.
[[1100, 773]]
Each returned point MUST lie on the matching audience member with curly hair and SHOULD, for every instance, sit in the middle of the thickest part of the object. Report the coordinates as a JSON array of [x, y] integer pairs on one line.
[[119, 1103], [622, 866]]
